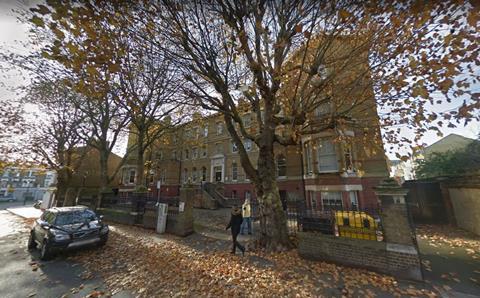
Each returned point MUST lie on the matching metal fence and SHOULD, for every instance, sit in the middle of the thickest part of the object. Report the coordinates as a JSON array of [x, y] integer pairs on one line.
[[340, 221], [138, 203]]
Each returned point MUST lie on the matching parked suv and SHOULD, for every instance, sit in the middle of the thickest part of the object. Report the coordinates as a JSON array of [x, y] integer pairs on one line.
[[61, 228]]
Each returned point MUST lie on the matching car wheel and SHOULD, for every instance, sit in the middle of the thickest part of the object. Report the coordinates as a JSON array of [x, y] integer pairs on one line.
[[31, 242], [103, 241], [45, 252]]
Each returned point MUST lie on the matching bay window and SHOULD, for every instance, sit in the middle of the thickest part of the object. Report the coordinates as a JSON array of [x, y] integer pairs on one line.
[[327, 156]]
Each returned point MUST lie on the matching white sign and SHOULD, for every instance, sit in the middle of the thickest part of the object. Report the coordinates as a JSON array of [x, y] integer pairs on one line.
[[181, 206]]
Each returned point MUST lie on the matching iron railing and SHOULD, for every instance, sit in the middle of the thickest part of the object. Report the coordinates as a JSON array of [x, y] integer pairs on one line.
[[340, 221]]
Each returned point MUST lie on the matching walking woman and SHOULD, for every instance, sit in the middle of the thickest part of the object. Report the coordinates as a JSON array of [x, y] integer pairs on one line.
[[235, 224]]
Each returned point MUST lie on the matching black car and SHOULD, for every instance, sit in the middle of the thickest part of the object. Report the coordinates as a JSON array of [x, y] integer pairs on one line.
[[61, 228]]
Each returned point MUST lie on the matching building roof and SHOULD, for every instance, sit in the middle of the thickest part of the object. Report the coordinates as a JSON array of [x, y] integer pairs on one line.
[[451, 142]]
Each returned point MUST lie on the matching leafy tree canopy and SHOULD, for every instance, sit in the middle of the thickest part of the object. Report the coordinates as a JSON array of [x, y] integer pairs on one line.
[[451, 163]]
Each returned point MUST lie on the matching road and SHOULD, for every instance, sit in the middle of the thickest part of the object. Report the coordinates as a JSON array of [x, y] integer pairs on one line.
[[5, 205], [22, 274]]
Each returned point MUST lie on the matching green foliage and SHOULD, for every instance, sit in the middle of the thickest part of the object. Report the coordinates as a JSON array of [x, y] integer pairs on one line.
[[451, 163]]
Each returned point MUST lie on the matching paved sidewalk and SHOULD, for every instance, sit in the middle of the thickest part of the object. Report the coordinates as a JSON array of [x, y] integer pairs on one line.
[[25, 212], [451, 259]]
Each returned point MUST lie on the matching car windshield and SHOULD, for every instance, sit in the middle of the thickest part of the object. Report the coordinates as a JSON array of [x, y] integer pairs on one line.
[[74, 217]]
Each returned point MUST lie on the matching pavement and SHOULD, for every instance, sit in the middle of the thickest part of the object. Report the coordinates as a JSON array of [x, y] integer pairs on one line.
[[25, 212], [22, 274], [451, 270]]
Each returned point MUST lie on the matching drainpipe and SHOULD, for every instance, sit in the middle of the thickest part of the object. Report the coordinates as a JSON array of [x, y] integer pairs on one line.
[[302, 172]]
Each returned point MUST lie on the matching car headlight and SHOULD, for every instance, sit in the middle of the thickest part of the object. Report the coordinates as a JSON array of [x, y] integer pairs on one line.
[[104, 229], [59, 235]]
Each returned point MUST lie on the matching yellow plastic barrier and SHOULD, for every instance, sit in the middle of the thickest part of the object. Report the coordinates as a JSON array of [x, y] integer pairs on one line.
[[356, 224]]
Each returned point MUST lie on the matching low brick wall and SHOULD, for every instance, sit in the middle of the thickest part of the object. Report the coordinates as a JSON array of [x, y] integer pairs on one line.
[[203, 201], [398, 260], [149, 219], [179, 223]]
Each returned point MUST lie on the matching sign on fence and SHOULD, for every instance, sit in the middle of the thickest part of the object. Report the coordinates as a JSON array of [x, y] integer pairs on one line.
[[162, 218], [181, 206]]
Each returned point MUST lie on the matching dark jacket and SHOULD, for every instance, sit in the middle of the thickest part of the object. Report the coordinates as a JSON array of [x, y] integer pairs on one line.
[[236, 220]]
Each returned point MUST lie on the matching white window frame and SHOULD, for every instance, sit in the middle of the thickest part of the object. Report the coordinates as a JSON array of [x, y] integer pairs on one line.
[[194, 174], [353, 197], [163, 177], [348, 157], [324, 156], [196, 132], [313, 199], [234, 171], [308, 158], [234, 147], [219, 126], [205, 131], [284, 165], [129, 178], [248, 145], [194, 153]]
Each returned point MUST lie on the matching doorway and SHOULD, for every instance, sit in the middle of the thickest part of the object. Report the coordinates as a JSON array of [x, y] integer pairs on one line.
[[217, 173]]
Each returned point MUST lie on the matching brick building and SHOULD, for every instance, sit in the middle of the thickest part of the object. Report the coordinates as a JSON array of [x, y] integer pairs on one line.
[[329, 167], [326, 170]]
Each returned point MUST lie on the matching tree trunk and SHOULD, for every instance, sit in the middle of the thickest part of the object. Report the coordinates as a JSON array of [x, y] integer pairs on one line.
[[103, 176], [63, 181], [273, 220], [69, 197], [140, 181]]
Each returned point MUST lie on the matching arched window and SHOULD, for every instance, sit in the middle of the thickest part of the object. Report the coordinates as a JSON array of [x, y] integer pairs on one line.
[[281, 165], [204, 174], [194, 174]]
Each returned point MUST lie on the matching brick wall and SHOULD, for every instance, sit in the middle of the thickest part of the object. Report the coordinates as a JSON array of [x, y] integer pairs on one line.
[[466, 207], [398, 260]]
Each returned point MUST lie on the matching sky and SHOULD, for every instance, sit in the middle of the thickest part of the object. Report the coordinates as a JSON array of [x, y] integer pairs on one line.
[[12, 32]]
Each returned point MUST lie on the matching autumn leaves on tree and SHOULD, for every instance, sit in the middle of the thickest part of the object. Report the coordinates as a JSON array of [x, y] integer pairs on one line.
[[281, 60]]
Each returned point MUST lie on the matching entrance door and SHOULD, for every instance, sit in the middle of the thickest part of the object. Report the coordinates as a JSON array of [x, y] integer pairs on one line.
[[218, 173]]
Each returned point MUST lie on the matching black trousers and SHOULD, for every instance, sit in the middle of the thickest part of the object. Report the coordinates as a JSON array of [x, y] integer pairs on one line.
[[235, 242]]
